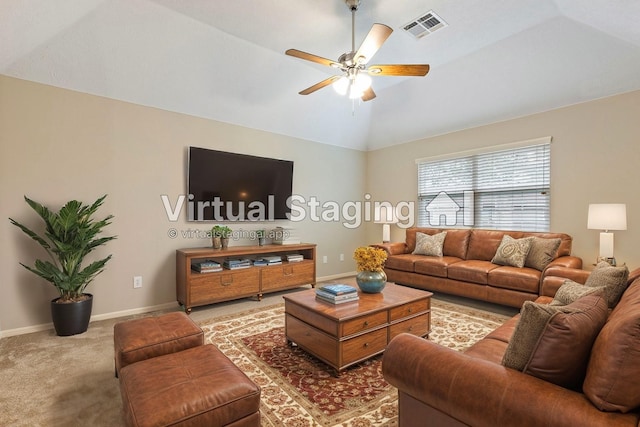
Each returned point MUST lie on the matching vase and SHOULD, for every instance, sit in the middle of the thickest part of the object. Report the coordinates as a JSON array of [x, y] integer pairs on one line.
[[371, 282], [216, 242], [224, 242]]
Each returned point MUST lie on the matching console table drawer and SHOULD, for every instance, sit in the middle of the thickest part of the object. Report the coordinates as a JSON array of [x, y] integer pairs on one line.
[[222, 285], [419, 325], [363, 323], [410, 309], [364, 346], [287, 274]]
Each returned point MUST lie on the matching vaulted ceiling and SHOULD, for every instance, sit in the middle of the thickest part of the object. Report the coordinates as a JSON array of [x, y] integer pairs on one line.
[[225, 60]]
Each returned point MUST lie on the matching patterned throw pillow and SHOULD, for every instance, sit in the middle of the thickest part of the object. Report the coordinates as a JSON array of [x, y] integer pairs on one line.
[[542, 252], [554, 343], [429, 245], [512, 251], [613, 279], [570, 291]]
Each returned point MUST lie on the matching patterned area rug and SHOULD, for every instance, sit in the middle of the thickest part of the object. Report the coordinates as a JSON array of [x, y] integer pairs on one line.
[[299, 390]]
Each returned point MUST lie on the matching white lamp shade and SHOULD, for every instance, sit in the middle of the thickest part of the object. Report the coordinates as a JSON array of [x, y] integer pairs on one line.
[[607, 216]]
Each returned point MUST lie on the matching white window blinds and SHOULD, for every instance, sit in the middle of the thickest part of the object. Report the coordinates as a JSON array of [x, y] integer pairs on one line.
[[504, 190]]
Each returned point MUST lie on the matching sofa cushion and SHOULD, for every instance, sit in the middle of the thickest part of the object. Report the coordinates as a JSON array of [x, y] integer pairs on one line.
[[611, 383], [404, 262], [553, 342], [472, 271], [483, 244], [519, 279], [430, 245], [613, 279], [570, 291], [512, 252], [434, 266], [542, 252]]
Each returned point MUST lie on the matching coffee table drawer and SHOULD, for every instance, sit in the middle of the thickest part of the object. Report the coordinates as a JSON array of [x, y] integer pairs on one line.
[[363, 323], [419, 325], [312, 340], [364, 346], [410, 309]]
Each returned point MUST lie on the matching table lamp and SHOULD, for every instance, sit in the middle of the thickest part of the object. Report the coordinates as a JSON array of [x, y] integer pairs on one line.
[[386, 215], [606, 217]]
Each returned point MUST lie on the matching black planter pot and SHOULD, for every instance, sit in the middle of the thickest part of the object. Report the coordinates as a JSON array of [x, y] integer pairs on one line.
[[71, 318]]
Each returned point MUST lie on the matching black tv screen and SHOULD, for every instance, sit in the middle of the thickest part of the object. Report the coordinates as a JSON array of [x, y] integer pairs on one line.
[[225, 186]]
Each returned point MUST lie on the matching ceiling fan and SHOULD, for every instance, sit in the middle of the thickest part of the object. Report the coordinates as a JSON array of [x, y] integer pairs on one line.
[[356, 81]]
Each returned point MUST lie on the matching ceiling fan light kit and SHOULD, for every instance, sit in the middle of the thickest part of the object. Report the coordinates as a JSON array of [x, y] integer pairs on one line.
[[356, 81]]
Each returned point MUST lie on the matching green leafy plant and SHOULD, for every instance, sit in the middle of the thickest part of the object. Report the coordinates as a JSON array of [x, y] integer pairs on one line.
[[221, 231], [70, 235]]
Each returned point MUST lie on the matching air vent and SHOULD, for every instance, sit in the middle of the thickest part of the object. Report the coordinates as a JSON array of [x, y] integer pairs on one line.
[[425, 24]]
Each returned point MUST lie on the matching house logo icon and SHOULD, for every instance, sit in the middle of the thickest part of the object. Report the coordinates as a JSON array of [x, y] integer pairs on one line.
[[444, 207]]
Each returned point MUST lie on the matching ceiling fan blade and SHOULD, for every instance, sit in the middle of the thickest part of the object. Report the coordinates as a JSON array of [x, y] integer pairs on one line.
[[378, 34], [320, 85], [368, 94], [399, 70], [311, 57]]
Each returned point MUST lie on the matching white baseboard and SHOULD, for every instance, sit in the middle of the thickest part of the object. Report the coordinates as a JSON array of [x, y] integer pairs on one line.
[[133, 311], [104, 316]]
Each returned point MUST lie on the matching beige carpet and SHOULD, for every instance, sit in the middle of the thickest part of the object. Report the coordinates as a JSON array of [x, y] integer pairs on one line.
[[68, 381]]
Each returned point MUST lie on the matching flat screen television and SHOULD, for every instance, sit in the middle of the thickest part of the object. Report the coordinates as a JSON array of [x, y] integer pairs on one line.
[[225, 186]]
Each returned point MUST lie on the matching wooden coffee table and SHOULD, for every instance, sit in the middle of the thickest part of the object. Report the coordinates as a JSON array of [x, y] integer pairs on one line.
[[345, 334]]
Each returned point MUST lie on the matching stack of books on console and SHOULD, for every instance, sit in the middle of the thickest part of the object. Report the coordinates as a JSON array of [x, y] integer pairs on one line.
[[295, 257], [208, 266], [272, 260], [234, 264], [337, 294]]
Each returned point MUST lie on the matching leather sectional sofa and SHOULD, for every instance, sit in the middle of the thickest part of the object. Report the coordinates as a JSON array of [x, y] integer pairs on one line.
[[441, 387], [466, 268]]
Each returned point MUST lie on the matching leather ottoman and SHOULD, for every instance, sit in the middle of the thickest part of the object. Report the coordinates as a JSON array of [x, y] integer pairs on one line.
[[195, 387], [141, 339]]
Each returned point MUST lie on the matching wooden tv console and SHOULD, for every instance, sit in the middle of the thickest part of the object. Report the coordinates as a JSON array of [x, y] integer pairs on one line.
[[195, 289]]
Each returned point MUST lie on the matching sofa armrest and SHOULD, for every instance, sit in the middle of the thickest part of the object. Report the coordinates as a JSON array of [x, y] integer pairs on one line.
[[554, 276], [481, 393], [568, 261], [393, 248]]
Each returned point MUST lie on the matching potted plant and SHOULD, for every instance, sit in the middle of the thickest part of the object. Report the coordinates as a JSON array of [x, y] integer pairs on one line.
[[70, 235], [261, 235], [220, 235], [371, 277]]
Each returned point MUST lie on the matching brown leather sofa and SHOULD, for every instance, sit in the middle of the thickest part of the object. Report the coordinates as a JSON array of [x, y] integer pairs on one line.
[[465, 269], [440, 387]]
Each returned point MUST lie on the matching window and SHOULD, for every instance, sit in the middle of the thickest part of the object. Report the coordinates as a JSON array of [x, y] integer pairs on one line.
[[505, 189]]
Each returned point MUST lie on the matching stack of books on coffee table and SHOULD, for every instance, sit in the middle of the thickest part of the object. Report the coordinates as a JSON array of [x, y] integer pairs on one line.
[[337, 293]]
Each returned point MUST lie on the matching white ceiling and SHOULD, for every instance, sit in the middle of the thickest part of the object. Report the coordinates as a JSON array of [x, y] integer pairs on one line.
[[225, 60]]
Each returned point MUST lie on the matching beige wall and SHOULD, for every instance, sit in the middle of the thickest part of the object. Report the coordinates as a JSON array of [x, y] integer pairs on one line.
[[595, 158], [58, 145]]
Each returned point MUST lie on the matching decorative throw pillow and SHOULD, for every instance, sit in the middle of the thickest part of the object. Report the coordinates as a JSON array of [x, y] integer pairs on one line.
[[429, 245], [613, 279], [554, 343], [542, 252], [512, 251], [562, 352], [571, 291]]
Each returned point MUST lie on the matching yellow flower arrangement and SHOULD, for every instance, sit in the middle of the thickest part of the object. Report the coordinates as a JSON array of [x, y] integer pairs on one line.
[[369, 258]]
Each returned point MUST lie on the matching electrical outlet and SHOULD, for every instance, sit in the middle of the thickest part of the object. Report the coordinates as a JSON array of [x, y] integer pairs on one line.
[[324, 259], [341, 257], [137, 282]]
